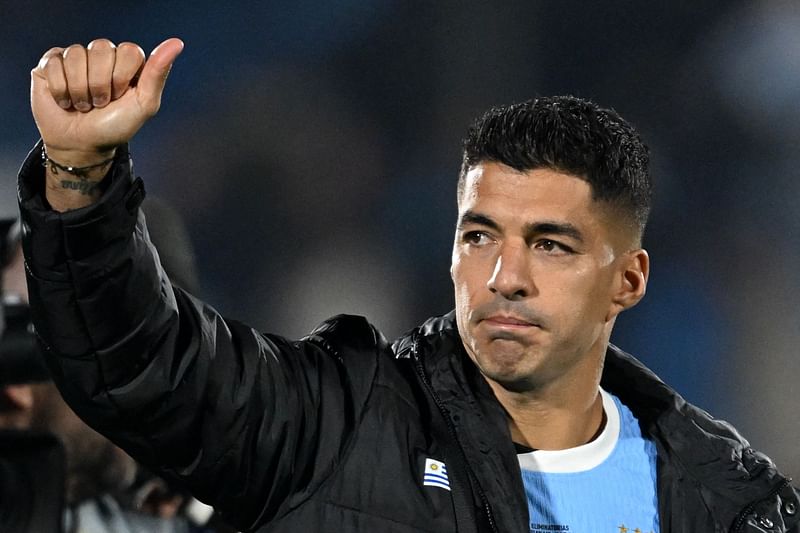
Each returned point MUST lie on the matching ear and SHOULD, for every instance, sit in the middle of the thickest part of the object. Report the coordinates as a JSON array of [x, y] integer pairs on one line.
[[632, 281]]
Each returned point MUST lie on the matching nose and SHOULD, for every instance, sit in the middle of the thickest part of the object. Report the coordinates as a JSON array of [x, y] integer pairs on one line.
[[511, 277]]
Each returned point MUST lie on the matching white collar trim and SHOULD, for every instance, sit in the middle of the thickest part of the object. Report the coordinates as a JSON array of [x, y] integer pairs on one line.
[[580, 458]]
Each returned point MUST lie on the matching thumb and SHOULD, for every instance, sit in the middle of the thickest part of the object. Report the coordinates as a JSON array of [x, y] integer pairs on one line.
[[154, 74]]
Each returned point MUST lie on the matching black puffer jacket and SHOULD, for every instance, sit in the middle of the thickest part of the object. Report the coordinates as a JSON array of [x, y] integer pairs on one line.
[[329, 433]]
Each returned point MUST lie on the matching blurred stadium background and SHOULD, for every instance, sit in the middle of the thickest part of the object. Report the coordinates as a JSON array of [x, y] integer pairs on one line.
[[313, 147]]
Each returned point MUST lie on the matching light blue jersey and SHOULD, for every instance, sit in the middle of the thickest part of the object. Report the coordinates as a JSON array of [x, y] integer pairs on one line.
[[605, 486]]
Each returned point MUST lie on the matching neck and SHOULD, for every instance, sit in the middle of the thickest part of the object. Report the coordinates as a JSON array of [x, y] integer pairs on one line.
[[558, 415]]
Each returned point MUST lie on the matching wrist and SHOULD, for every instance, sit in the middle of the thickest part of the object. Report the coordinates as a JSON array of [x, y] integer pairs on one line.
[[94, 170], [73, 178], [78, 158]]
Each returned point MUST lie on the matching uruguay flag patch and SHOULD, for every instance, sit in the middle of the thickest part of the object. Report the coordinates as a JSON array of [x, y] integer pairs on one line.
[[435, 474]]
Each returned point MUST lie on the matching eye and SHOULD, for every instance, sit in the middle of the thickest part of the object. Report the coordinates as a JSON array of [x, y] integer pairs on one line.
[[552, 247], [477, 238]]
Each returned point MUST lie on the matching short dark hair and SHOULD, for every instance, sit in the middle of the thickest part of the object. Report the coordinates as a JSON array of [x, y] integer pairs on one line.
[[570, 135]]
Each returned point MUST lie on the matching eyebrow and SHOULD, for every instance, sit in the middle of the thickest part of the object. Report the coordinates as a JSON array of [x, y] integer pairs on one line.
[[554, 228], [549, 227], [471, 217]]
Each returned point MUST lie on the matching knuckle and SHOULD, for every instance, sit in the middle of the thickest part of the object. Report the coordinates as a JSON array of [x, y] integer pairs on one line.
[[101, 44], [131, 48], [73, 50], [53, 52], [74, 60], [51, 63], [49, 56]]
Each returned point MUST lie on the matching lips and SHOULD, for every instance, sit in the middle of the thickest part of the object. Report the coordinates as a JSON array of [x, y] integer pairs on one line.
[[507, 316], [508, 321]]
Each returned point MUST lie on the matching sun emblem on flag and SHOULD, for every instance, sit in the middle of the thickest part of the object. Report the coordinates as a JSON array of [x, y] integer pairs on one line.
[[435, 474]]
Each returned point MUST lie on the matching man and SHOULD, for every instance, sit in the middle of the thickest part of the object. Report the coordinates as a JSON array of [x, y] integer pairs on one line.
[[511, 414]]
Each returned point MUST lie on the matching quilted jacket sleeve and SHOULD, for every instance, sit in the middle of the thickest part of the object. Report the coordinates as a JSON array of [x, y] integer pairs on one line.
[[251, 423]]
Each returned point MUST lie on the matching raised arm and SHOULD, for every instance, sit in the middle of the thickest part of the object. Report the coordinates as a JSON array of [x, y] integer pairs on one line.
[[252, 423]]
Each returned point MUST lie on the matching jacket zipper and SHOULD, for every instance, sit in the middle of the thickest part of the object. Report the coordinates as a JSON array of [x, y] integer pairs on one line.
[[451, 430], [742, 516]]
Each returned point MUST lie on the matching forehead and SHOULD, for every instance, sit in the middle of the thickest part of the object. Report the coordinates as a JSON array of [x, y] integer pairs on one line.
[[497, 190]]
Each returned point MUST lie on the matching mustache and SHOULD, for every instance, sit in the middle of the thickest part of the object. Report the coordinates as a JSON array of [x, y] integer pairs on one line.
[[507, 308]]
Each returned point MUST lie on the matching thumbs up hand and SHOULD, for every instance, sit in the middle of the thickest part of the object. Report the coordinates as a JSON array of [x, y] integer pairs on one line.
[[88, 100]]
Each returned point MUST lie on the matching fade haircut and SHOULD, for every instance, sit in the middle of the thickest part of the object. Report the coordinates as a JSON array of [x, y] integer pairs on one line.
[[570, 135]]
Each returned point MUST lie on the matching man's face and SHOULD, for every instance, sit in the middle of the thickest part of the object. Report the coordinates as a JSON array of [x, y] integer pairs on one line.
[[538, 269]]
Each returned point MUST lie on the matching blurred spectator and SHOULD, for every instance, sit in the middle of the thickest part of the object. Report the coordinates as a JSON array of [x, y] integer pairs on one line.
[[100, 494]]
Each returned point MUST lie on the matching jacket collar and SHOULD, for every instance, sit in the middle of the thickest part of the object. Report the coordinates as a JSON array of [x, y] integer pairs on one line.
[[732, 475]]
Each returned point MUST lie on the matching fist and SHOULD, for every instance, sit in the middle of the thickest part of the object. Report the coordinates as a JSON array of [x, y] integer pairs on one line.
[[88, 100]]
